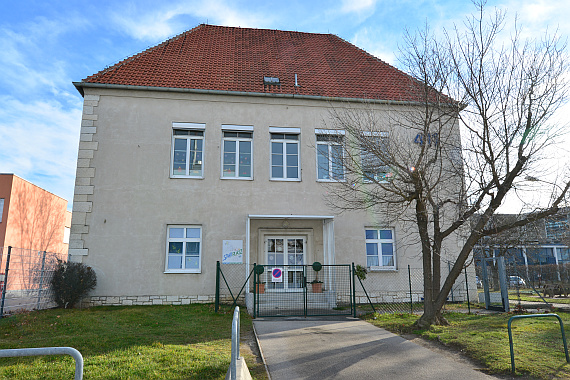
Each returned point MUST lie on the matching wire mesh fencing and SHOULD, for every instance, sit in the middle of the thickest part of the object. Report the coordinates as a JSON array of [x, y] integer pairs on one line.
[[403, 291], [25, 277], [299, 290], [530, 286], [303, 290], [231, 283]]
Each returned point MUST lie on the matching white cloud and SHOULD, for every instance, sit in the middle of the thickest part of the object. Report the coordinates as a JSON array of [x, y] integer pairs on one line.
[[221, 13], [374, 41], [32, 59], [39, 143], [159, 24], [357, 6]]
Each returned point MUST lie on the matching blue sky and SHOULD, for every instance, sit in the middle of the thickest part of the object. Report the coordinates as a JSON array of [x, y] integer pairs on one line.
[[46, 45]]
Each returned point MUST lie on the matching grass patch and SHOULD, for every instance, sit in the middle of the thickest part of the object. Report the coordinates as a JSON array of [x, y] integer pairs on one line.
[[135, 342], [531, 296], [538, 347]]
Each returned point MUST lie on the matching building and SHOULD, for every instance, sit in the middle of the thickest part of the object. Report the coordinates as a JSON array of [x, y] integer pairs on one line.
[[35, 229], [32, 218], [212, 147], [537, 251]]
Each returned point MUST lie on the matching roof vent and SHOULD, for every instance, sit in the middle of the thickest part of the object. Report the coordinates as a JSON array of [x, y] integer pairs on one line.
[[271, 81]]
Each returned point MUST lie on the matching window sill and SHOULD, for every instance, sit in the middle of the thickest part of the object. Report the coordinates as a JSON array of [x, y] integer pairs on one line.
[[285, 179], [238, 178], [186, 176], [382, 269], [331, 180], [182, 271]]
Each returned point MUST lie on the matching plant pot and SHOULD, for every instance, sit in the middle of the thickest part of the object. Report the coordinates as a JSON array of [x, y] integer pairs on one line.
[[317, 287], [260, 288]]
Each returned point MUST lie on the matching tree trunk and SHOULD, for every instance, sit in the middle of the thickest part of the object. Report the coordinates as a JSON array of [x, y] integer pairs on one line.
[[434, 317], [422, 221]]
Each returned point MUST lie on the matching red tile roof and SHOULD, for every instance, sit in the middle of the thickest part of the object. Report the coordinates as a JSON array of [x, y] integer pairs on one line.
[[221, 58]]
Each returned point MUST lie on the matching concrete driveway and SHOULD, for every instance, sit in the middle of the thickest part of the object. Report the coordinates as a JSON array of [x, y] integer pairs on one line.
[[348, 348]]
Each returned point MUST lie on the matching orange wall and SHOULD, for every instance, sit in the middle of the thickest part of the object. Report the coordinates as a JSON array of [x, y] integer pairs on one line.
[[5, 190], [33, 217]]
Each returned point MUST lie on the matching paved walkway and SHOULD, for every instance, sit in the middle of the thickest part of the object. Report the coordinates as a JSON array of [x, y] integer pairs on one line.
[[348, 348]]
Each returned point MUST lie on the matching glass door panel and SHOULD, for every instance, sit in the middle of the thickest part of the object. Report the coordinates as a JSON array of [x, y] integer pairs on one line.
[[287, 253]]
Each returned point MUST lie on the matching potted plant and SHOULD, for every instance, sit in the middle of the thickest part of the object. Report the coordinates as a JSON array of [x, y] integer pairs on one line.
[[317, 286]]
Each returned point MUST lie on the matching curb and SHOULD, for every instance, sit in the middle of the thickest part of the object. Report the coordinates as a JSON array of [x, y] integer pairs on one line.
[[260, 351]]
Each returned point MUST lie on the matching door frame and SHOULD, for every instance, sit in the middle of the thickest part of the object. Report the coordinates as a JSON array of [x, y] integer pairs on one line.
[[328, 236]]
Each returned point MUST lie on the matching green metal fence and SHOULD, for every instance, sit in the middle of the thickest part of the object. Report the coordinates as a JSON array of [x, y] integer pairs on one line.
[[303, 290]]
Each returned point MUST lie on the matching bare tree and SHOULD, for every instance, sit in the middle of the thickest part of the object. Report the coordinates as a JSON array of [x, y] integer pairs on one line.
[[446, 188]]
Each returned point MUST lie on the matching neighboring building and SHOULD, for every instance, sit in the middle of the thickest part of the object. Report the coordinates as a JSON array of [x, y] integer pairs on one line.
[[215, 138], [542, 243], [32, 218]]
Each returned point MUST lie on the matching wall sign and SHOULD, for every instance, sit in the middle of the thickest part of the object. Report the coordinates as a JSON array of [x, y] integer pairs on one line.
[[277, 275], [232, 252], [430, 139]]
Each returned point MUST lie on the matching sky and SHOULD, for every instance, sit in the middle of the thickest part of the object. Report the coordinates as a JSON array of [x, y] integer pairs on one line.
[[47, 45]]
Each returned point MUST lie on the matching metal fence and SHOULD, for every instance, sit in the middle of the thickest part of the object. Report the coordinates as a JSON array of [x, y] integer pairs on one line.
[[389, 292], [25, 277], [231, 283], [303, 290], [535, 286], [392, 292]]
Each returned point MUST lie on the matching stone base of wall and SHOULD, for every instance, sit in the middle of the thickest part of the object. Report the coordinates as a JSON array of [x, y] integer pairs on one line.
[[145, 300], [403, 297]]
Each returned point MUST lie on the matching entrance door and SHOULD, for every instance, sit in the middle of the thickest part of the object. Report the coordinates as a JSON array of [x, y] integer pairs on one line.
[[288, 254]]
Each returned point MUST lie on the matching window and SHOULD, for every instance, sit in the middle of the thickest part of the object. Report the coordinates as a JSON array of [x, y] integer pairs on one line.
[[563, 255], [373, 147], [66, 234], [380, 248], [285, 156], [184, 249], [1, 208], [329, 156], [237, 155], [187, 150]]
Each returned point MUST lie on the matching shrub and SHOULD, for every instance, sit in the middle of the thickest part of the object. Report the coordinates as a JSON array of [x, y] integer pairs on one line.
[[71, 282], [360, 272]]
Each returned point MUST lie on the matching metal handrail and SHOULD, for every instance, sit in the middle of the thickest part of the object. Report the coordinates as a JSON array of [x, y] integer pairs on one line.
[[235, 344], [535, 316], [20, 352]]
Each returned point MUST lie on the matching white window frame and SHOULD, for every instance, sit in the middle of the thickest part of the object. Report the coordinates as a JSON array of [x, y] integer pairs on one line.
[[183, 240], [284, 142], [378, 242], [377, 177], [197, 127], [66, 234], [238, 129], [329, 144], [1, 208]]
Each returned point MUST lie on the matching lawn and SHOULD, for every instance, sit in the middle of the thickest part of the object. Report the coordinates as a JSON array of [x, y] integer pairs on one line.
[[531, 296], [538, 347], [137, 342]]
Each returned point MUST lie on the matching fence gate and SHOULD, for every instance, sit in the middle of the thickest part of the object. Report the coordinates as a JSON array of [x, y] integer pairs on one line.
[[302, 290]]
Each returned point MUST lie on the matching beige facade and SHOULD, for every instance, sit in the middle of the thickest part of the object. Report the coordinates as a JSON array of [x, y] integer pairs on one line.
[[126, 195]]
